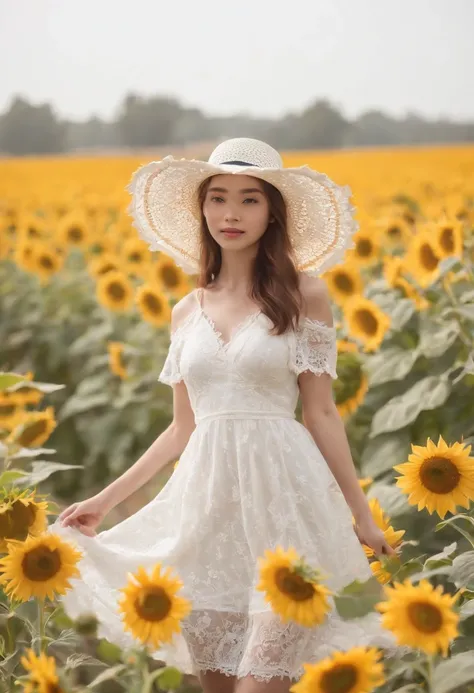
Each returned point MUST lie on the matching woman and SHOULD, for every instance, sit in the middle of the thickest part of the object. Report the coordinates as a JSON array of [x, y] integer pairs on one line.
[[256, 334]]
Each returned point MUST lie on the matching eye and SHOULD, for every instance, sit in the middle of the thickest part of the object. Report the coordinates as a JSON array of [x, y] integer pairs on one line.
[[216, 198], [250, 199]]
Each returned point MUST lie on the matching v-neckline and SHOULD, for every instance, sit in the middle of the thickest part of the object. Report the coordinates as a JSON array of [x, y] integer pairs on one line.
[[236, 330]]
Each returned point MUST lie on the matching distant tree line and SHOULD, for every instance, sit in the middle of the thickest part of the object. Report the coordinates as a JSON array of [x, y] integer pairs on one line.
[[159, 121]]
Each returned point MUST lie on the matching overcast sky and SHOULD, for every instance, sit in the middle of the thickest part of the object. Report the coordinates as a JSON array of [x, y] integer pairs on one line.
[[263, 57]]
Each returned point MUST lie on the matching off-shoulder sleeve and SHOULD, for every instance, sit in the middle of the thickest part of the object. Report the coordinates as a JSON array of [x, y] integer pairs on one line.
[[314, 348], [171, 374]]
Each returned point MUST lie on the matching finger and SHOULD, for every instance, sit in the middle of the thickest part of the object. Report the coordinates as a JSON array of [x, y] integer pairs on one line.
[[65, 513], [72, 519]]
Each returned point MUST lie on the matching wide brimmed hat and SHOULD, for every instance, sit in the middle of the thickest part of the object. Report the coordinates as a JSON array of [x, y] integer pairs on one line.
[[166, 213]]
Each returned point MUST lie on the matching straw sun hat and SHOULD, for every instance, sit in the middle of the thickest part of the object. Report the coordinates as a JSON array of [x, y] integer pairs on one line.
[[166, 211]]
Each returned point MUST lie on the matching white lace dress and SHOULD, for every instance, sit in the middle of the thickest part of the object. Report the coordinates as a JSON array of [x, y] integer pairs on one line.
[[250, 478]]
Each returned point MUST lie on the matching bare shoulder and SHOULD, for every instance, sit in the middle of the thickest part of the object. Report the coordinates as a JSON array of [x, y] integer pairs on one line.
[[182, 309], [317, 304]]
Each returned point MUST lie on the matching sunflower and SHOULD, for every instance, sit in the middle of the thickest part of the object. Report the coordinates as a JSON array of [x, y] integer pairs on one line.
[[24, 255], [293, 589], [392, 537], [10, 412], [168, 277], [449, 238], [365, 482], [394, 232], [22, 393], [366, 322], [107, 262], [344, 281], [116, 364], [114, 291], [38, 567], [46, 261], [382, 575], [136, 255], [74, 230], [366, 248], [422, 259], [392, 269], [153, 305], [151, 609], [31, 227], [33, 428], [352, 383], [43, 677], [356, 671], [438, 477], [420, 616], [409, 291], [21, 515]]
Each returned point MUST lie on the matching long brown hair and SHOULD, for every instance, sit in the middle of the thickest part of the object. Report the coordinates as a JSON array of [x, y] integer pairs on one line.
[[275, 285]]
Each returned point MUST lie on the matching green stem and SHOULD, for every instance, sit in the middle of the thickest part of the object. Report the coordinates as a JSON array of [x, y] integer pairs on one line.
[[41, 624], [430, 672]]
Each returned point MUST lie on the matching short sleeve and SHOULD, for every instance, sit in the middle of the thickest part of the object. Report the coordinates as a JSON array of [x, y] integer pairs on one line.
[[315, 348], [171, 374]]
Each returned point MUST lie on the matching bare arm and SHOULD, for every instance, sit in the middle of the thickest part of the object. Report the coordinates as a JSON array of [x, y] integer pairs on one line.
[[167, 447]]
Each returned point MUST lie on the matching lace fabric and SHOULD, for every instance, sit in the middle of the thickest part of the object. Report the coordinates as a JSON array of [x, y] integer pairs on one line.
[[250, 478]]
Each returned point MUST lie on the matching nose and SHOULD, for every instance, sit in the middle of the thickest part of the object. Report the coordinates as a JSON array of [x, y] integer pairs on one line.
[[231, 214]]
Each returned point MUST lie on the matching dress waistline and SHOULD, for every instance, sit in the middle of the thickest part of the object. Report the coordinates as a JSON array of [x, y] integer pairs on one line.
[[243, 414]]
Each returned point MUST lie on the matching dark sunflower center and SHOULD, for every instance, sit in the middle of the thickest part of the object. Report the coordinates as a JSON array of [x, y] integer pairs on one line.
[[135, 257], [447, 239], [116, 291], [341, 678], [344, 283], [31, 432], [7, 409], [394, 231], [33, 232], [75, 234], [46, 262], [425, 617], [153, 304], [439, 475], [293, 585], [349, 381], [170, 277], [153, 604], [41, 564], [16, 522], [367, 322], [365, 247], [427, 257], [108, 267]]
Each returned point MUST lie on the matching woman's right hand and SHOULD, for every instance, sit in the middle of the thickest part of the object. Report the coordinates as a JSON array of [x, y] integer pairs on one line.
[[84, 516]]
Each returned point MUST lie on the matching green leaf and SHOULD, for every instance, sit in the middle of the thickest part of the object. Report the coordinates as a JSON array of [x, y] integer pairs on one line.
[[436, 337], [9, 379], [47, 388], [168, 678], [107, 675], [401, 314], [391, 498], [467, 610], [94, 335], [10, 476], [448, 264], [453, 673], [442, 558], [42, 469], [428, 393], [384, 452], [358, 599], [392, 363], [463, 569], [78, 405]]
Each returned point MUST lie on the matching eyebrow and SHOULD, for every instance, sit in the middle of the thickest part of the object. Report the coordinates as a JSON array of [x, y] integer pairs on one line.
[[245, 190]]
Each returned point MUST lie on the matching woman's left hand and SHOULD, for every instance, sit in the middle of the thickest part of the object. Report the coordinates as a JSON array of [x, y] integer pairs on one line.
[[370, 534]]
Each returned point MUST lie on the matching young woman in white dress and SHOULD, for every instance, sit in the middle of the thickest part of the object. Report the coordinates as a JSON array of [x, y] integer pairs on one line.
[[256, 334]]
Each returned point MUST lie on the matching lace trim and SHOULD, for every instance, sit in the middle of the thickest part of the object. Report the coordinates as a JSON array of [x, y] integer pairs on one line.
[[316, 348], [170, 374]]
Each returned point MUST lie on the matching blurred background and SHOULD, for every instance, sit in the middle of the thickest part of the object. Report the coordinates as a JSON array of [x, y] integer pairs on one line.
[[115, 76]]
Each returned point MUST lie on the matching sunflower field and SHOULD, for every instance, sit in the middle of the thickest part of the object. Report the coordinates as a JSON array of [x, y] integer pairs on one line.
[[85, 310]]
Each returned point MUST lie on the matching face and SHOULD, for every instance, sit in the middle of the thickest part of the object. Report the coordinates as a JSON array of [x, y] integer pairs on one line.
[[236, 202]]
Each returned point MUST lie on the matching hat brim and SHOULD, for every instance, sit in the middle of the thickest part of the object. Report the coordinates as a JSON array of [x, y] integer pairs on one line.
[[165, 210]]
